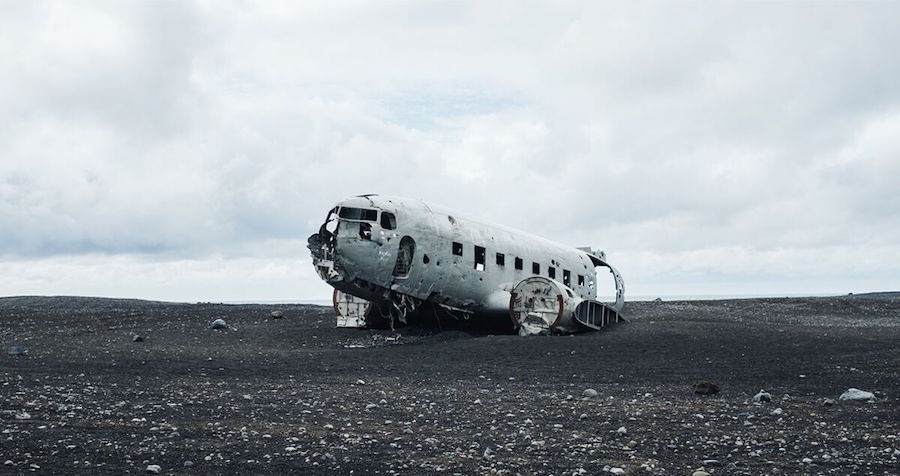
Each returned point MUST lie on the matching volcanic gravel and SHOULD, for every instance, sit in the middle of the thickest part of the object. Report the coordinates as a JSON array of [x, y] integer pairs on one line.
[[296, 394]]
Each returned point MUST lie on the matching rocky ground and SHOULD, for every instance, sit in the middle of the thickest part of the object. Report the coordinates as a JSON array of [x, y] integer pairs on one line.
[[272, 396]]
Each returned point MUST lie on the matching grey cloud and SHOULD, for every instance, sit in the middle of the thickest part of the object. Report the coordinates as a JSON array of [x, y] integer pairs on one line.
[[665, 134]]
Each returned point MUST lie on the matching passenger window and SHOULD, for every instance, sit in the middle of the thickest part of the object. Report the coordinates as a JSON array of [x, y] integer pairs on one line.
[[567, 277], [457, 248], [388, 221], [519, 263], [501, 259], [551, 271], [479, 258], [535, 268], [581, 280]]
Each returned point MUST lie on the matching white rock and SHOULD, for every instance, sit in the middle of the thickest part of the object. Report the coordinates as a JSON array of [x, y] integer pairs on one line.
[[699, 472], [477, 401], [589, 393], [806, 461], [857, 395], [762, 396], [616, 470], [777, 411], [622, 431], [219, 324], [371, 406], [153, 468]]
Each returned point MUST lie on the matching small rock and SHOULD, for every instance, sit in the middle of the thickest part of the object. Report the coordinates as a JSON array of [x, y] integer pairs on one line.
[[699, 472], [153, 468], [762, 396], [477, 401], [777, 411], [616, 470], [622, 431], [658, 300], [360, 382], [371, 406], [828, 402], [219, 324], [137, 338], [188, 463], [277, 314], [632, 444], [589, 393], [23, 415], [857, 395], [806, 461], [8, 462], [17, 351], [786, 398], [705, 387], [711, 462]]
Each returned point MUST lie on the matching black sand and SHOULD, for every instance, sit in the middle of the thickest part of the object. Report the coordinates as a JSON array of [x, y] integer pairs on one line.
[[298, 395]]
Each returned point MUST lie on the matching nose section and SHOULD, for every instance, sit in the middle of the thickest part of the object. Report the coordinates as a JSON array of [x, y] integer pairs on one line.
[[322, 247]]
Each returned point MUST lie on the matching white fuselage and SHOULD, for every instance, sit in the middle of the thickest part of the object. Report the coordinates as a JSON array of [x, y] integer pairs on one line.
[[445, 258]]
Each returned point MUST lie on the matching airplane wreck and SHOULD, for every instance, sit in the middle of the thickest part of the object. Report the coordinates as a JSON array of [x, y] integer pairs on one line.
[[394, 260]]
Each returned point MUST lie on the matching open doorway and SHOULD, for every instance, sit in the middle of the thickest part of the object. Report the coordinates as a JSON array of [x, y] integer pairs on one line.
[[404, 256]]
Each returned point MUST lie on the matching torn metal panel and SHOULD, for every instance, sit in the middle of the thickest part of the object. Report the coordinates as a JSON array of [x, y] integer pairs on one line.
[[351, 311]]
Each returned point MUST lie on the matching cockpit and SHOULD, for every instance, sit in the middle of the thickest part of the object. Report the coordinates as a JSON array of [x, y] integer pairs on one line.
[[359, 218]]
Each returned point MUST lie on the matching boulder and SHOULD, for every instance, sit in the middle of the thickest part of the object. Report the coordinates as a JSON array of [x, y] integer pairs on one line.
[[857, 395], [705, 387], [762, 396], [589, 393], [276, 314], [219, 324]]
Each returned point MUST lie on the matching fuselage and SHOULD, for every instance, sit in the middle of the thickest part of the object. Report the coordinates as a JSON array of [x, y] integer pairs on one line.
[[381, 245]]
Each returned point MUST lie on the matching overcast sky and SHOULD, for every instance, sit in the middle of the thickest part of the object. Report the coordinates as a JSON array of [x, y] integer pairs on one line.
[[185, 151]]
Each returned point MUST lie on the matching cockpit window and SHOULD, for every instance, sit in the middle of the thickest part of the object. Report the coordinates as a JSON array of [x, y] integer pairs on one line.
[[388, 221], [366, 214]]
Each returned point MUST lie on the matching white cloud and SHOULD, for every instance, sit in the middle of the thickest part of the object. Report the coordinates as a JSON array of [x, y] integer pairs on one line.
[[720, 149]]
